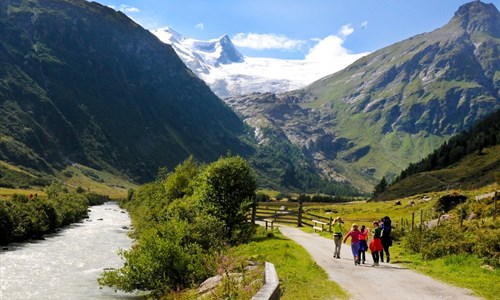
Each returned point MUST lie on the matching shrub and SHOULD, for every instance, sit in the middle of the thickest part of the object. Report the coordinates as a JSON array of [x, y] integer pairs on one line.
[[160, 262], [171, 255], [181, 221], [96, 199], [21, 218], [227, 189], [449, 239], [262, 197]]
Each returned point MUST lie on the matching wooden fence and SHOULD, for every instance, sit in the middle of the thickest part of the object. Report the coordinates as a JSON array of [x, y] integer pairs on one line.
[[297, 216], [288, 215]]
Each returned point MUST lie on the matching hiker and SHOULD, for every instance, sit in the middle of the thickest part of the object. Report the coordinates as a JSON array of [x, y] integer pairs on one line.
[[354, 234], [376, 243], [386, 238], [363, 246], [338, 232]]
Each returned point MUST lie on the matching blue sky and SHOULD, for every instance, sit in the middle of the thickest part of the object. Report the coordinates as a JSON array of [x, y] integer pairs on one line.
[[293, 29]]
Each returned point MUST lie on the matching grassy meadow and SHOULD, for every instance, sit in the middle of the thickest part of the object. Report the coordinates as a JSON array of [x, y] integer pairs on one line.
[[99, 182], [73, 177]]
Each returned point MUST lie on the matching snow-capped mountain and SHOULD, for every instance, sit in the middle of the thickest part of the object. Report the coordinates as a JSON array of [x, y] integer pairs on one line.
[[229, 73]]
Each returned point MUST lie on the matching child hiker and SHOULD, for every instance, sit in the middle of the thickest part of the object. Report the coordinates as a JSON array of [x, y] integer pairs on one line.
[[363, 246], [354, 234], [376, 244]]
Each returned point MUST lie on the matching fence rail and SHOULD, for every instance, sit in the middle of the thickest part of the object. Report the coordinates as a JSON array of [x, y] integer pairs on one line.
[[289, 216]]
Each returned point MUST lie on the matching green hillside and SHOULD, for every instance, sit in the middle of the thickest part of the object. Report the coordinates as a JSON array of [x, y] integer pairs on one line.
[[472, 172], [393, 106], [405, 100], [467, 161], [83, 83]]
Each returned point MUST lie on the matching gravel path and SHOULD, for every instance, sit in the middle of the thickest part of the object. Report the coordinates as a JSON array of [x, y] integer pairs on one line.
[[388, 281]]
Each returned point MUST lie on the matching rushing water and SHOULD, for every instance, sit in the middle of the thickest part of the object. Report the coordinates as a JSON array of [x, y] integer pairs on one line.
[[66, 265]]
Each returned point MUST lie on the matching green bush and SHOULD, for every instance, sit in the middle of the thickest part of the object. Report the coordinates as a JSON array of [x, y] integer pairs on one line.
[[22, 218], [227, 189], [182, 221], [451, 239], [162, 261], [96, 199]]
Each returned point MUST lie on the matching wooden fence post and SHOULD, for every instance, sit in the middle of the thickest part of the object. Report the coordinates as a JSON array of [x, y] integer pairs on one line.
[[412, 221], [254, 211], [495, 196], [299, 215], [421, 219], [330, 224], [461, 217]]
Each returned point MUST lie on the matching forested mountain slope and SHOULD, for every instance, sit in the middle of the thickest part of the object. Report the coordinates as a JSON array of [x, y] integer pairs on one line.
[[80, 82]]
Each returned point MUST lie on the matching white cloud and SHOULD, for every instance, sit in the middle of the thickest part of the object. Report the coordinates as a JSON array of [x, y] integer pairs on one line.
[[128, 9], [330, 55], [327, 49], [364, 24], [200, 26], [266, 41], [345, 30]]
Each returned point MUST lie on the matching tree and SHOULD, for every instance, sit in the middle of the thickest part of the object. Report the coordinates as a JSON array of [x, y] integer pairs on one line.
[[227, 190], [380, 188]]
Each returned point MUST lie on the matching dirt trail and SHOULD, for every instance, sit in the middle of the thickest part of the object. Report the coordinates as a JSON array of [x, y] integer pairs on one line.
[[388, 281]]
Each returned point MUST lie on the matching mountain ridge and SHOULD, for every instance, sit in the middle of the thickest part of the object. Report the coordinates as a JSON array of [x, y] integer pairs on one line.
[[393, 106], [232, 74]]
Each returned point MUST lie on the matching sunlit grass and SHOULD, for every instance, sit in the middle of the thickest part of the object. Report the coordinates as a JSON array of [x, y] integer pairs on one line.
[[300, 277], [7, 193], [108, 184], [14, 168], [466, 271]]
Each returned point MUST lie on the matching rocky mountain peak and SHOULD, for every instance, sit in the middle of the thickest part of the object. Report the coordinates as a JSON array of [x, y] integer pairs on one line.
[[229, 53], [477, 16], [169, 35]]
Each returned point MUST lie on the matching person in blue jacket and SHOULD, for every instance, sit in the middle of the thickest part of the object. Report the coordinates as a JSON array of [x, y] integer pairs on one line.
[[386, 225]]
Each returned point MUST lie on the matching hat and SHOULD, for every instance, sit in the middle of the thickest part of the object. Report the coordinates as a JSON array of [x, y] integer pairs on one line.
[[339, 219]]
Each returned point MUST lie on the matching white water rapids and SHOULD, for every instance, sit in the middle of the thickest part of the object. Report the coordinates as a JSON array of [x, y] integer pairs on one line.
[[66, 264]]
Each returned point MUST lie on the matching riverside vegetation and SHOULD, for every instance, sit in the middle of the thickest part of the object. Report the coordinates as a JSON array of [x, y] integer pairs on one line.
[[184, 221], [23, 218]]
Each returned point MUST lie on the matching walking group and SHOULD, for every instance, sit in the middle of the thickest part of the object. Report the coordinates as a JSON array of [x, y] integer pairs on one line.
[[378, 246]]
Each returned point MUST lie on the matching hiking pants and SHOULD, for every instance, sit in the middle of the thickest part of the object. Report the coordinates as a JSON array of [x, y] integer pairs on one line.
[[337, 239]]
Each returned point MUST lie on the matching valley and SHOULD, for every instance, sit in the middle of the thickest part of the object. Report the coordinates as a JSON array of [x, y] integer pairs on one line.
[[190, 137]]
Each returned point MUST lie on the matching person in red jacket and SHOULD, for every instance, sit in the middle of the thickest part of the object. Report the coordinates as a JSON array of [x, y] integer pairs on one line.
[[376, 244], [363, 246], [354, 234]]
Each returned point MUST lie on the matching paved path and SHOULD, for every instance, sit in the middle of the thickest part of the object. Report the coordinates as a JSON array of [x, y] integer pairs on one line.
[[387, 282]]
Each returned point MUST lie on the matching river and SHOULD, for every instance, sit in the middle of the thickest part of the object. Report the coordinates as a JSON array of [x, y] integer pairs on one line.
[[66, 264]]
